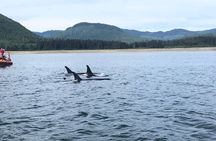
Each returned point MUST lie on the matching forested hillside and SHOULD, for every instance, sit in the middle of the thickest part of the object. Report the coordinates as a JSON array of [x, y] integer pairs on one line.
[[14, 34], [92, 31]]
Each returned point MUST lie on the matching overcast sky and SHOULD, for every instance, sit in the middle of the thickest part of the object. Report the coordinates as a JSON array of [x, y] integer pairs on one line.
[[145, 15]]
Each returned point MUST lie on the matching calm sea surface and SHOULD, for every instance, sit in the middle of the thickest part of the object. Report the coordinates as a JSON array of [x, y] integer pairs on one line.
[[152, 96]]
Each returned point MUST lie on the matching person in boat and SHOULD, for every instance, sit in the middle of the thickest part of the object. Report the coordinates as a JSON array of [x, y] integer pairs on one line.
[[2, 51]]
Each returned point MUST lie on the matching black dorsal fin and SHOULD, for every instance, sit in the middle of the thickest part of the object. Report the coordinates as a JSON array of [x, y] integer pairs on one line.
[[89, 72], [76, 76], [68, 70]]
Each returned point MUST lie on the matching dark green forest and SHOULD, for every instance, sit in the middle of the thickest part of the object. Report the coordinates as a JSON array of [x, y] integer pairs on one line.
[[72, 44], [13, 34]]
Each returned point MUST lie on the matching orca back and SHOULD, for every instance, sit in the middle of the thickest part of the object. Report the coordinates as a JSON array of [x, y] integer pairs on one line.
[[76, 77], [89, 72]]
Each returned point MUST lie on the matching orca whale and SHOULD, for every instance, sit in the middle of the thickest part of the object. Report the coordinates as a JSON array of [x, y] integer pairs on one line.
[[78, 79], [68, 70], [88, 73]]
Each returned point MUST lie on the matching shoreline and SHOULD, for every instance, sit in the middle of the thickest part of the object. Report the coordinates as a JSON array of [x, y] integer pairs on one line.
[[115, 50]]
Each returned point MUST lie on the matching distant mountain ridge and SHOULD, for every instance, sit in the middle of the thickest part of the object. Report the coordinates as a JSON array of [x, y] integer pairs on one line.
[[160, 35], [172, 34], [50, 33], [98, 31], [92, 31]]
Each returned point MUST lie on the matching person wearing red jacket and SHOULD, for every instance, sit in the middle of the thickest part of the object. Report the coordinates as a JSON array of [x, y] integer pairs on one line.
[[2, 51]]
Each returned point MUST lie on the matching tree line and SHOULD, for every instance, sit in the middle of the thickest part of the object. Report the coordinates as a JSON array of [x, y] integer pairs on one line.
[[74, 44]]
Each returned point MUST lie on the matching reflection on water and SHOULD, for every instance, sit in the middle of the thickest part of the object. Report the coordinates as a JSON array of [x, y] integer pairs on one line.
[[152, 96]]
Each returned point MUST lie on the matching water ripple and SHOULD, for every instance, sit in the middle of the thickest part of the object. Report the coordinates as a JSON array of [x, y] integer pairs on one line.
[[161, 96]]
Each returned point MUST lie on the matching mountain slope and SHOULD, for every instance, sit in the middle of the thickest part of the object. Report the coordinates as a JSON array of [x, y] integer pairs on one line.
[[97, 31], [50, 33], [170, 35], [160, 35], [12, 32], [92, 31]]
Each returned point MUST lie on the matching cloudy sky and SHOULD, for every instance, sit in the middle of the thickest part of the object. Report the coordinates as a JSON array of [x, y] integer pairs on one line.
[[145, 15]]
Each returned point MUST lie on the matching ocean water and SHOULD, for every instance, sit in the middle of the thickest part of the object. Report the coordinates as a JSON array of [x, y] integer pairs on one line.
[[161, 96]]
